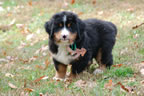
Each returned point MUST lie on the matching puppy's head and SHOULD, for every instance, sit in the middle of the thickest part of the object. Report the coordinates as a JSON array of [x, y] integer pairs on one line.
[[65, 28]]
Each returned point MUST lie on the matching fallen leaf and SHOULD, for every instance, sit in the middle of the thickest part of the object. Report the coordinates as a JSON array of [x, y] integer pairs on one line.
[[117, 65], [142, 82], [130, 9], [41, 94], [123, 87], [29, 90], [29, 37], [46, 77], [94, 2], [1, 9], [24, 61], [30, 3], [72, 1], [22, 45], [9, 75], [3, 60], [12, 85], [80, 83], [39, 66], [32, 59], [37, 80], [24, 94], [109, 84], [80, 13], [46, 63], [142, 71]]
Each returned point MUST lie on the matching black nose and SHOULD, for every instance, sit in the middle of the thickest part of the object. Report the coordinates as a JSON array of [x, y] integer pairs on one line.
[[64, 36]]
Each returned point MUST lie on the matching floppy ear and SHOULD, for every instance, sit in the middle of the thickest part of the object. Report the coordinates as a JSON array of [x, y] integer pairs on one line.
[[49, 28], [80, 28]]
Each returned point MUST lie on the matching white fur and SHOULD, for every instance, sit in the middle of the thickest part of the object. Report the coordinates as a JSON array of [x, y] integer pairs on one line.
[[65, 32], [64, 19], [62, 55]]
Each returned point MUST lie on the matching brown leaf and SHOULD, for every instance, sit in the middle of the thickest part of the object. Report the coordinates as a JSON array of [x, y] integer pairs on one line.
[[123, 87], [24, 61], [94, 2], [109, 84], [80, 83], [41, 94], [30, 3], [46, 63], [12, 85], [72, 1], [80, 13], [39, 66], [117, 65], [37, 80], [28, 89]]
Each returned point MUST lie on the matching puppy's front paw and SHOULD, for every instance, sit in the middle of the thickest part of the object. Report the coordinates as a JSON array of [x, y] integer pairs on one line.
[[57, 79]]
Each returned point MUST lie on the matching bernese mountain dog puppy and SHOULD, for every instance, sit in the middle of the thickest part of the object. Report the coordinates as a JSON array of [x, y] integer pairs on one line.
[[67, 30]]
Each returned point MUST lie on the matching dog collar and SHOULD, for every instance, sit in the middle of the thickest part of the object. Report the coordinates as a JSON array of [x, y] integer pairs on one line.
[[73, 46]]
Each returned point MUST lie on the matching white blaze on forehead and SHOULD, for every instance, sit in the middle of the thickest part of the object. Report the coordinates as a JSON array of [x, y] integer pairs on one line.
[[65, 30], [64, 18]]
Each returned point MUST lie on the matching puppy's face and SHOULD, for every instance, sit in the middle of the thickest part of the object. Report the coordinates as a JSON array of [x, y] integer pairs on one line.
[[63, 28]]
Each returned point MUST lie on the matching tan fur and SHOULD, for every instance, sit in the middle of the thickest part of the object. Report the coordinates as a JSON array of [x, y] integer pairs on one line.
[[61, 71], [98, 59]]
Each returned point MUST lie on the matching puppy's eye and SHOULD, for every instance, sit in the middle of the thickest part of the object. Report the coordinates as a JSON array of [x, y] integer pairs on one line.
[[69, 24], [60, 24]]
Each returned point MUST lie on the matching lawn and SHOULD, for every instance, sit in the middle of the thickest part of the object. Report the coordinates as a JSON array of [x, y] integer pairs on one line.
[[26, 68]]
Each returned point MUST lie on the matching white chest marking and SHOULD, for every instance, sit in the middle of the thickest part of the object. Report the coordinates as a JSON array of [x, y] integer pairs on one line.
[[62, 55]]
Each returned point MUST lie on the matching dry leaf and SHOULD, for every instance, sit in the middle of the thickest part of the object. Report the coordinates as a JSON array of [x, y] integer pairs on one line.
[[80, 83], [29, 37], [12, 85], [117, 65], [30, 3], [109, 84], [37, 80], [46, 63], [9, 75], [3, 60], [29, 90], [80, 13], [72, 1], [123, 87], [39, 66], [41, 94], [142, 71], [24, 94], [130, 9], [94, 2], [46, 77]]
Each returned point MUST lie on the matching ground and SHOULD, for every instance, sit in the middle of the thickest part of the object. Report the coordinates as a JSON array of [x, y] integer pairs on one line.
[[26, 68]]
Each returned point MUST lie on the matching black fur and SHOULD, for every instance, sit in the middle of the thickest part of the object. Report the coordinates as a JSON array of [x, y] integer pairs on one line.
[[93, 34]]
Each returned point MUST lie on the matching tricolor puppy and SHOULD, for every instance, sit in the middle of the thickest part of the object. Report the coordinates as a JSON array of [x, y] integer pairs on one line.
[[66, 30]]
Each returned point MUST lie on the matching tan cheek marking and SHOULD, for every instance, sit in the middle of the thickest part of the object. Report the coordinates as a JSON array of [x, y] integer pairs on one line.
[[57, 36], [61, 72], [72, 36]]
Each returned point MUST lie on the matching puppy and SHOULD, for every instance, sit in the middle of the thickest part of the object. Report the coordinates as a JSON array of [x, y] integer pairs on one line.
[[67, 30]]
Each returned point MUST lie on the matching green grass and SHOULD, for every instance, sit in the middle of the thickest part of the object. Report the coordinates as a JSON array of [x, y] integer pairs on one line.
[[128, 51]]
